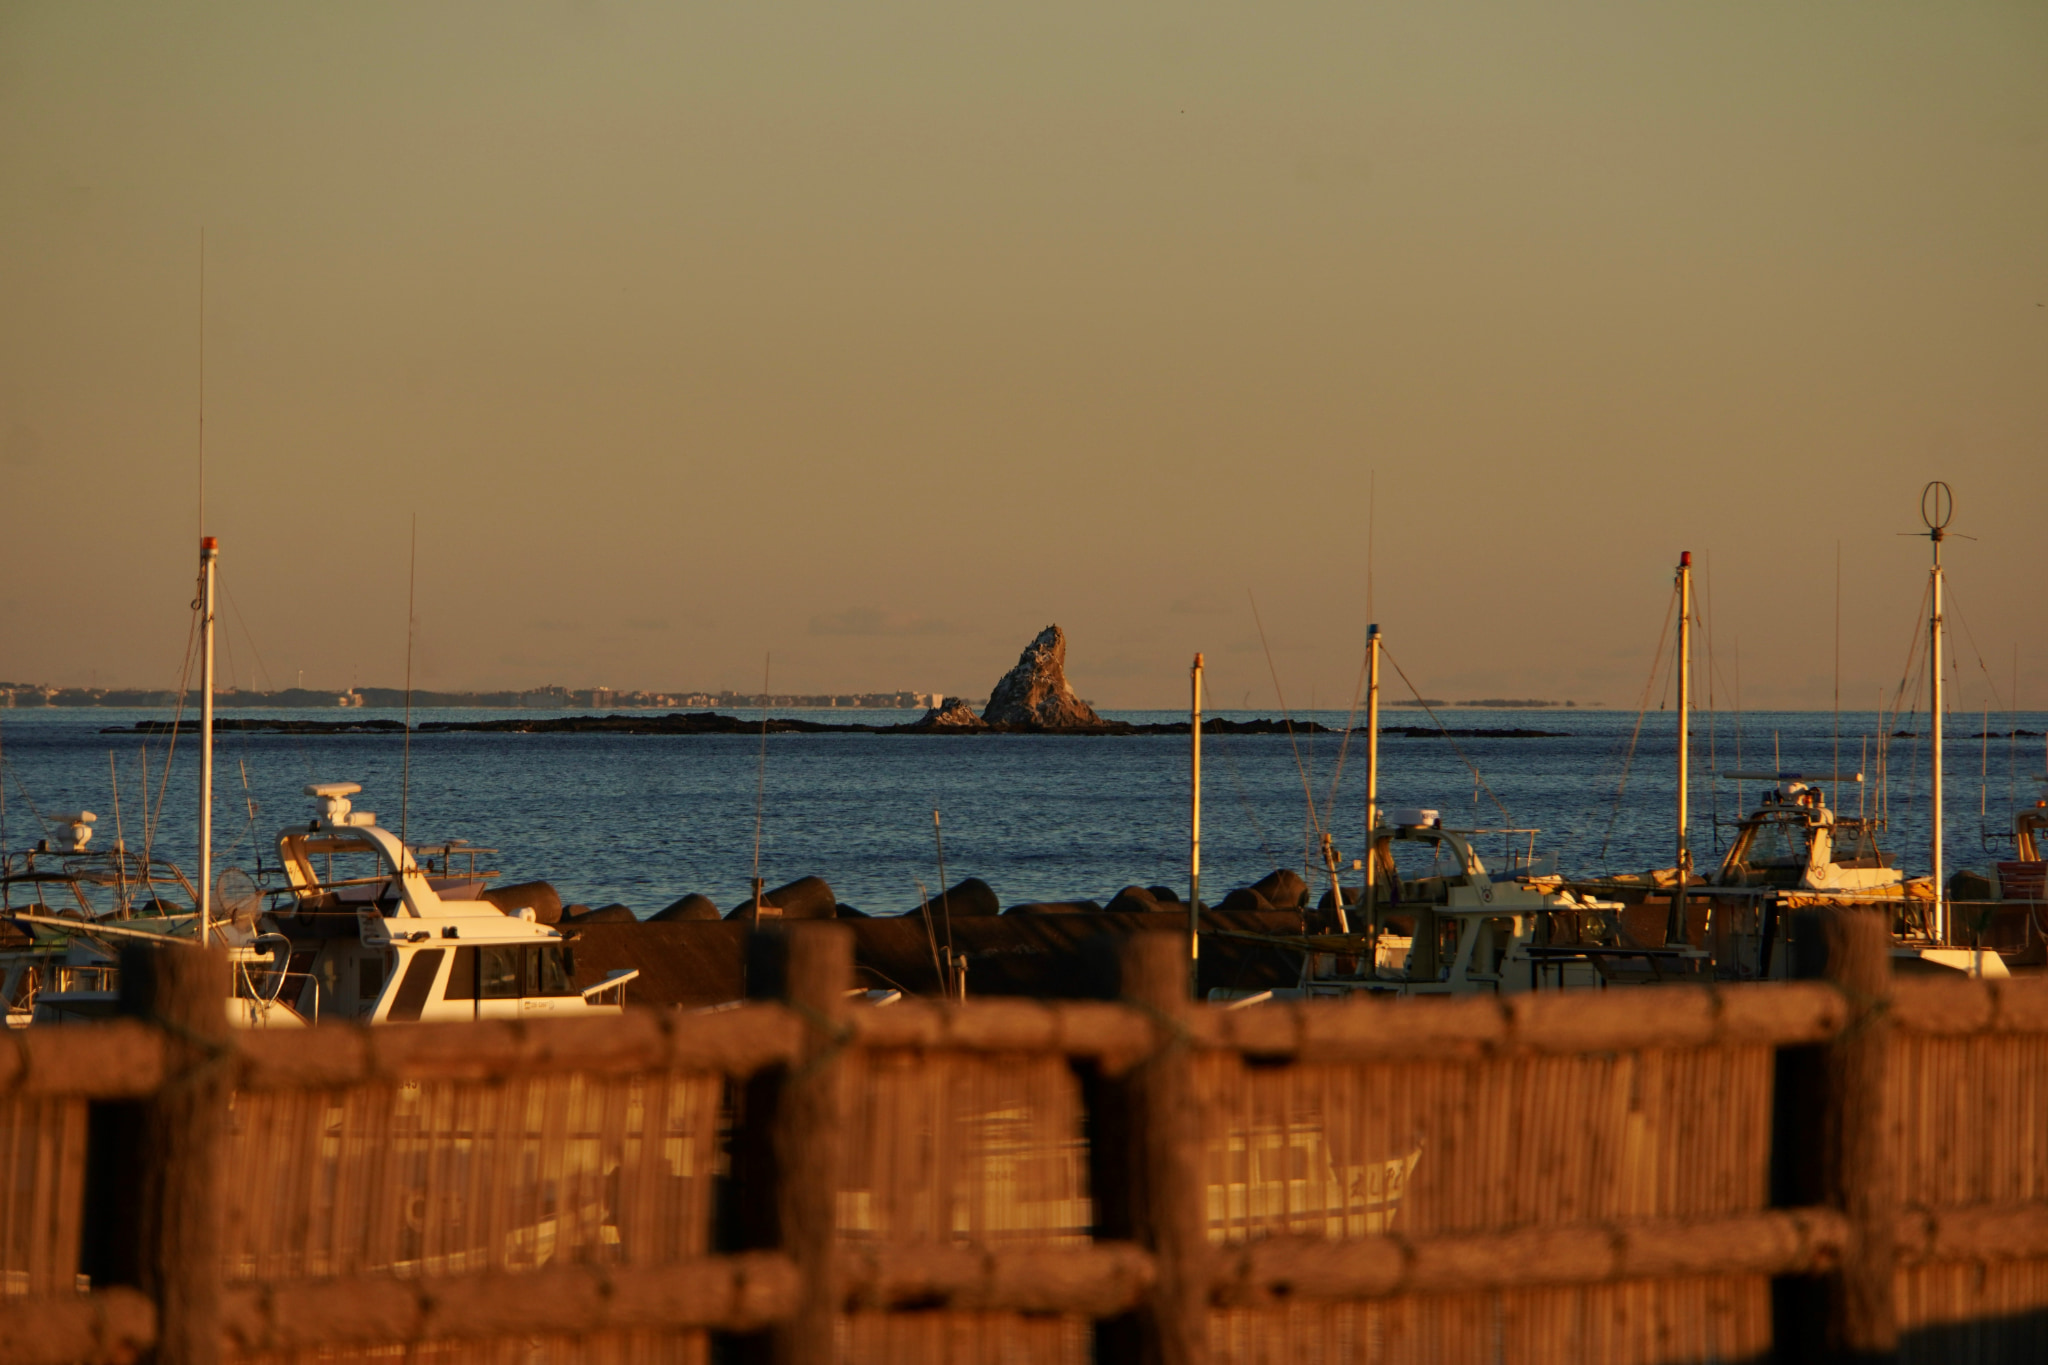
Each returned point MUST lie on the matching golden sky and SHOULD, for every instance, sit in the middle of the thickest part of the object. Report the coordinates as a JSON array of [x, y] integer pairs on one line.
[[878, 336]]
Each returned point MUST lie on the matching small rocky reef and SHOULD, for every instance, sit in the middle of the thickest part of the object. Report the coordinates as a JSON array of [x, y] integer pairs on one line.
[[1035, 694], [1033, 697]]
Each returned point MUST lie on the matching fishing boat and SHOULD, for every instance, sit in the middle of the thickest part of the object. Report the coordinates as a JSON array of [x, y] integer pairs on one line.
[[1447, 923], [2000, 910], [1793, 851], [373, 937], [382, 942], [1454, 927]]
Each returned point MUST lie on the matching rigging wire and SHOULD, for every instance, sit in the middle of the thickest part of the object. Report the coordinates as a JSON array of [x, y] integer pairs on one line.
[[412, 578], [153, 818], [761, 782], [1628, 762], [1476, 775], [1836, 772], [1713, 759], [1888, 729], [1244, 800], [1286, 718], [1350, 720], [262, 669]]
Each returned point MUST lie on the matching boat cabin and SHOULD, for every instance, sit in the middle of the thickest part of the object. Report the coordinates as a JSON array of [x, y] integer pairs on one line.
[[375, 938], [1440, 922], [1793, 842]]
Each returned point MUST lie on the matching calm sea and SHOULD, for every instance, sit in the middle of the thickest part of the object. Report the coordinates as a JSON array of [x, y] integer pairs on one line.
[[644, 819]]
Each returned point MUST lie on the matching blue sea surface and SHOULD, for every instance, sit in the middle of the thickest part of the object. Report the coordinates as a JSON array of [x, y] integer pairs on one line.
[[644, 819]]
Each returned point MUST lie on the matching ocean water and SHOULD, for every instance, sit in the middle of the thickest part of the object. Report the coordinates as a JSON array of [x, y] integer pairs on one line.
[[642, 820]]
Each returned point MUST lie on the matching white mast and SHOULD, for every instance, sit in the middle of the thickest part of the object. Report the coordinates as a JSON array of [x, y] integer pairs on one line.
[[209, 552], [1372, 774], [1937, 505], [1195, 832], [1674, 929]]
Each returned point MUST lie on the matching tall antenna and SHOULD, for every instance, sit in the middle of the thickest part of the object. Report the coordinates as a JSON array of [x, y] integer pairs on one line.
[[1937, 508], [1675, 924], [761, 784], [956, 984], [1372, 524], [209, 555], [202, 380], [1195, 829], [412, 577], [120, 843], [1836, 786]]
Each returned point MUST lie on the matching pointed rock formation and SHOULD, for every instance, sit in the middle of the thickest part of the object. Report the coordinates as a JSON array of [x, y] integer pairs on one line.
[[1035, 694]]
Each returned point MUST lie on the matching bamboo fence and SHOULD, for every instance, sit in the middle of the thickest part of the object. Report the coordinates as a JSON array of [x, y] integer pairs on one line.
[[1850, 1166]]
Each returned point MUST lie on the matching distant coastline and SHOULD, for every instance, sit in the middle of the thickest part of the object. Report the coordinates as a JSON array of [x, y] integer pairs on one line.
[[715, 723], [555, 698], [552, 698]]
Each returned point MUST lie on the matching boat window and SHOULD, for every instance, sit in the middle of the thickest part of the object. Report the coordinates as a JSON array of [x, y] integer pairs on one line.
[[369, 980], [417, 985], [1422, 866], [1856, 844], [327, 986], [498, 972], [554, 971], [1778, 843], [462, 976]]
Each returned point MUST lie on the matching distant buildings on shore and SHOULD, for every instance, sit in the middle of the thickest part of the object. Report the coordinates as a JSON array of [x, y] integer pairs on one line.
[[538, 698]]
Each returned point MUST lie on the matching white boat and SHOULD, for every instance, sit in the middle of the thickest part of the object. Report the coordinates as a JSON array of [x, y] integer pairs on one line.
[[374, 938]]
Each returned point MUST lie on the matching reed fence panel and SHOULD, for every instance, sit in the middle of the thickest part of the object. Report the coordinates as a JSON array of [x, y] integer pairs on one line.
[[42, 1182], [1969, 1117], [1853, 1164]]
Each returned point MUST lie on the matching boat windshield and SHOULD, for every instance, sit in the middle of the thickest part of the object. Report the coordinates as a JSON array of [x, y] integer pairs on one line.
[[1779, 843], [1855, 844], [349, 866]]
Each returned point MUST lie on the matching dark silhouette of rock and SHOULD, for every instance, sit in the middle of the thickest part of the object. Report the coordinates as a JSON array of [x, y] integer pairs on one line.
[[692, 906], [846, 911], [604, 914], [1244, 898], [1350, 898], [573, 910], [1165, 895], [1282, 889], [539, 897], [1055, 908], [1035, 694], [972, 897], [955, 714], [804, 898], [1133, 900]]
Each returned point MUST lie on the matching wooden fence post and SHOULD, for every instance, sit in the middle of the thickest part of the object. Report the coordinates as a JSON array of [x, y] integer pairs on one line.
[[1165, 1182], [809, 967], [180, 1133], [1850, 1160]]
